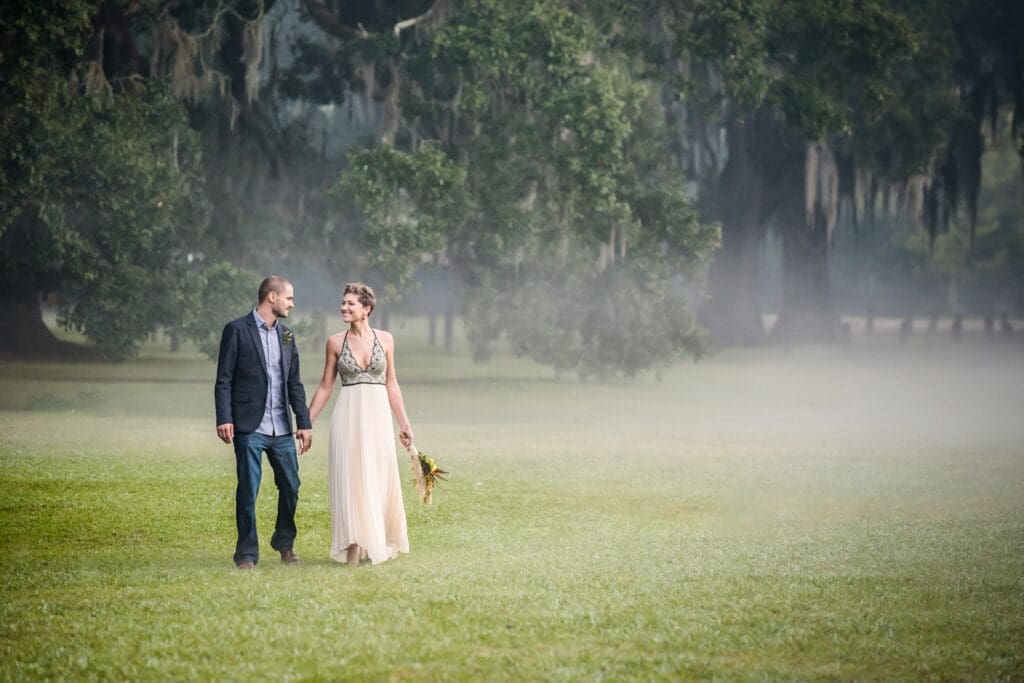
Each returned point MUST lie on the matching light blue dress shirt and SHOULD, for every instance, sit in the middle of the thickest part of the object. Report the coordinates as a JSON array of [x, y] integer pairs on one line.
[[275, 415]]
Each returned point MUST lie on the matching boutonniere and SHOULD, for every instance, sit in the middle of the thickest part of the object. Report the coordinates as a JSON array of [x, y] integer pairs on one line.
[[287, 338]]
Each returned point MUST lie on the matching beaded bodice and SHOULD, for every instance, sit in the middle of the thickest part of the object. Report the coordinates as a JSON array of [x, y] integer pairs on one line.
[[375, 371]]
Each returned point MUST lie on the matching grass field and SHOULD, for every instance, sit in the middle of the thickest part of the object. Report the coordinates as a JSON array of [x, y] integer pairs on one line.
[[819, 514]]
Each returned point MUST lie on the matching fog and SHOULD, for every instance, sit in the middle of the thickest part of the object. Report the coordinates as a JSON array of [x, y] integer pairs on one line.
[[875, 391], [879, 390]]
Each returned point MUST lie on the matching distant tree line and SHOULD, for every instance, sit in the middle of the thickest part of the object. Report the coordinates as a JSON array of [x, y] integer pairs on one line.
[[595, 180]]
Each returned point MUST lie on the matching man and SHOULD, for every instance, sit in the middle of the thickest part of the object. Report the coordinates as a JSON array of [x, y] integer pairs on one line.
[[257, 387]]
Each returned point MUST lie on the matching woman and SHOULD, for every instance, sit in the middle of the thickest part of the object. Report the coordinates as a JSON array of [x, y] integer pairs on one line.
[[365, 491]]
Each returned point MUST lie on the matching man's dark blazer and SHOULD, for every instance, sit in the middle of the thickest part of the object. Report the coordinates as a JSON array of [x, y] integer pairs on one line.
[[240, 392]]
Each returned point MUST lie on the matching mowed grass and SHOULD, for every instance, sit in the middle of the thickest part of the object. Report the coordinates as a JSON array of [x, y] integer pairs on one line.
[[820, 514]]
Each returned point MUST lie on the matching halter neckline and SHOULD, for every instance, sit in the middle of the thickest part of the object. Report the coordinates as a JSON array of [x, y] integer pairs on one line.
[[376, 342]]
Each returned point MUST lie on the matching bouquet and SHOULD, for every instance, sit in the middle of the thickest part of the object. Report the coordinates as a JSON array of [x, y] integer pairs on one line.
[[427, 474]]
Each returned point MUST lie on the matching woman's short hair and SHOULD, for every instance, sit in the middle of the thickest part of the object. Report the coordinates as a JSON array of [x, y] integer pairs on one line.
[[363, 293]]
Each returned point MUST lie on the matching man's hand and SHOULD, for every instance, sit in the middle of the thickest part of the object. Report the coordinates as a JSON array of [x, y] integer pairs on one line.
[[226, 432], [305, 437]]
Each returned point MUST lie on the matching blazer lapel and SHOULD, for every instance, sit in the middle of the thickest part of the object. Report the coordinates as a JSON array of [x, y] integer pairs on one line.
[[254, 334], [286, 356]]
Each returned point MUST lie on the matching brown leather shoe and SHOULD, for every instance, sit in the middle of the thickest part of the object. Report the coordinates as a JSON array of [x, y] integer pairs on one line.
[[289, 556], [245, 564]]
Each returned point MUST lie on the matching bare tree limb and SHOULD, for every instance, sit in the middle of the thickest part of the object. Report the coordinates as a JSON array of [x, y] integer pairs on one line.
[[408, 23], [329, 22]]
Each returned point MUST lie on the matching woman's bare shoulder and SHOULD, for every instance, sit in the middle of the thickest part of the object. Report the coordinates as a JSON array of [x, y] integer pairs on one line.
[[386, 337], [335, 341]]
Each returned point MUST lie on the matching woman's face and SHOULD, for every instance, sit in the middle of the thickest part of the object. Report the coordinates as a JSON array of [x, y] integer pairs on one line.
[[352, 310]]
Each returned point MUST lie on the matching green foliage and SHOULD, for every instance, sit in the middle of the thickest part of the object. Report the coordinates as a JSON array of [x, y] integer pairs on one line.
[[331, 71], [310, 333], [407, 204], [666, 227], [568, 185], [914, 272], [544, 172], [913, 128], [529, 138], [206, 298], [116, 211], [104, 206], [733, 35], [37, 38], [823, 65], [620, 322], [991, 267], [905, 279], [125, 212], [39, 42]]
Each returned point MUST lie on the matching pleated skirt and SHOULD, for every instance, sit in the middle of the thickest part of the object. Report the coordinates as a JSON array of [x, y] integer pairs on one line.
[[364, 486]]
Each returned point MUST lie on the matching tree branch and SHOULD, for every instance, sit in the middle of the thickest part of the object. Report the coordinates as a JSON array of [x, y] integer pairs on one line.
[[328, 21], [408, 23]]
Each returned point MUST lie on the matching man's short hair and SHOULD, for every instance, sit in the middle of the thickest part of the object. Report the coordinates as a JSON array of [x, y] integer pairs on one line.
[[272, 283]]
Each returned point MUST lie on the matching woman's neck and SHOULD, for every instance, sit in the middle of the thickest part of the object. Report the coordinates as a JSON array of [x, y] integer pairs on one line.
[[359, 329]]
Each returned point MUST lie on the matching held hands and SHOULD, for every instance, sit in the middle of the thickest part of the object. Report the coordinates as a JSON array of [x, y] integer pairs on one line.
[[305, 437], [405, 436], [226, 432]]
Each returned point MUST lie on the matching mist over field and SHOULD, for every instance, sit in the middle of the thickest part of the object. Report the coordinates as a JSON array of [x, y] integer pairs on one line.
[[713, 311], [814, 512]]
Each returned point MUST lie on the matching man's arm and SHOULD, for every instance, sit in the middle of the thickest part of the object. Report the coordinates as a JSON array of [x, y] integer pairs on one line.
[[226, 360], [297, 393], [297, 398]]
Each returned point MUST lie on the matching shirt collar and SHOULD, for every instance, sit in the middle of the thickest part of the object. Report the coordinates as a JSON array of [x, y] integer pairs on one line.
[[260, 322]]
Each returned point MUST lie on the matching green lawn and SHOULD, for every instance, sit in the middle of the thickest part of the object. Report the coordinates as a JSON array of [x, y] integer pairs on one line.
[[821, 514]]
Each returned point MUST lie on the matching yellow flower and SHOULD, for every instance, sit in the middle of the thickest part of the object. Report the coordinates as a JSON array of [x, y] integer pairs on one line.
[[433, 468]]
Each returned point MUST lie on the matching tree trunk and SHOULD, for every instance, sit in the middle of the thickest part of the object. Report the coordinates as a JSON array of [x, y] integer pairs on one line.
[[906, 328], [808, 314], [1005, 326], [804, 220], [733, 311], [29, 337], [449, 331]]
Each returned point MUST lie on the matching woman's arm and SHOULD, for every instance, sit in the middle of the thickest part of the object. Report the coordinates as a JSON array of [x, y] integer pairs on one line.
[[395, 391], [323, 392]]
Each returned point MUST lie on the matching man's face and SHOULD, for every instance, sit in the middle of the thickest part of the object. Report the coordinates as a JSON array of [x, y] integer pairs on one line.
[[281, 303]]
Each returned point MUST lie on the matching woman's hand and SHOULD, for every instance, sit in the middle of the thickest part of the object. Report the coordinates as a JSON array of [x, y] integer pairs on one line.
[[406, 436]]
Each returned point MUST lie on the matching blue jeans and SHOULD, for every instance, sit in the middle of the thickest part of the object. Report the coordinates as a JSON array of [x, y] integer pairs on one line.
[[280, 450]]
